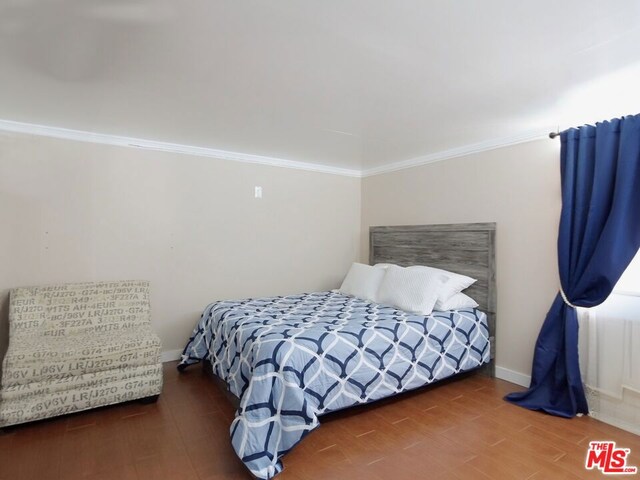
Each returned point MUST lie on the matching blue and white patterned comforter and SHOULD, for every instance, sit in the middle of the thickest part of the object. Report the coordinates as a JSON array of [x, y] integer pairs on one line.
[[291, 359]]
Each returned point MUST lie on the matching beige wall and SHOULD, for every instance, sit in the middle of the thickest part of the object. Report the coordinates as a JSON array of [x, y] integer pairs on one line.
[[72, 211], [519, 188]]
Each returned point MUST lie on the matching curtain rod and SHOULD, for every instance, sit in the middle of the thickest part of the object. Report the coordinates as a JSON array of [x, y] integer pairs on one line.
[[554, 134]]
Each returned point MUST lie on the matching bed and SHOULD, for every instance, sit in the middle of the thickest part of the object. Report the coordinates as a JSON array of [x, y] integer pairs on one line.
[[289, 360]]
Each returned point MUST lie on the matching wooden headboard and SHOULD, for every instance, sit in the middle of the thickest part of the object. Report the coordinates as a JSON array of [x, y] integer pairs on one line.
[[465, 248]]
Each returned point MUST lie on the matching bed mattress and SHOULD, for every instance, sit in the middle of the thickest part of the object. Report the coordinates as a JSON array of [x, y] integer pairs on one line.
[[292, 359]]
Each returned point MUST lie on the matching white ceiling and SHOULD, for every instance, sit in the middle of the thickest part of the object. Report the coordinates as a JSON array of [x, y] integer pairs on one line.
[[355, 84]]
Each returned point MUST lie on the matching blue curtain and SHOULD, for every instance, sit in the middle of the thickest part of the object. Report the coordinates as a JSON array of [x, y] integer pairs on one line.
[[599, 235]]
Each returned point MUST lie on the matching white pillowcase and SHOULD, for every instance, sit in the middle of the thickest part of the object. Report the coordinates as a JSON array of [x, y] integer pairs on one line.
[[454, 283], [457, 302], [362, 281], [412, 290], [385, 265]]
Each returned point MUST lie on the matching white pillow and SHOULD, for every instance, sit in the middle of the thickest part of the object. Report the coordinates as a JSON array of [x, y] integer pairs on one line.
[[362, 281], [458, 301], [385, 265], [412, 290], [453, 284]]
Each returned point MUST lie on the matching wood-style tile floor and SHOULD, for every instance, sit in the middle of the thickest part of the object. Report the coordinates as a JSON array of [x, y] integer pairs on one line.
[[457, 430]]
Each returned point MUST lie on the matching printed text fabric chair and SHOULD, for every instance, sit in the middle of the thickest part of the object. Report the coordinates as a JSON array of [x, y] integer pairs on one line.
[[78, 346]]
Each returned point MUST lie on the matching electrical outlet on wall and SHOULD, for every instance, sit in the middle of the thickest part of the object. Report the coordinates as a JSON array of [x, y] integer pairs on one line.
[[258, 192]]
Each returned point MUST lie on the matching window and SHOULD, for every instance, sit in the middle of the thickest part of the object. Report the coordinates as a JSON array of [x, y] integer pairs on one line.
[[629, 283]]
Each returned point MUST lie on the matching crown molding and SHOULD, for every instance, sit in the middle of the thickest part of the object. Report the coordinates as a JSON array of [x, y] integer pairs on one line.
[[458, 152], [105, 139]]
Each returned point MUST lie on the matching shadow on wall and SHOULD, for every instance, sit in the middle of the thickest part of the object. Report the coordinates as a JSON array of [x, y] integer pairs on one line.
[[4, 325]]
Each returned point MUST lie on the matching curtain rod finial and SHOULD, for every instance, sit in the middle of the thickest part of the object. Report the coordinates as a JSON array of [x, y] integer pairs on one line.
[[554, 134]]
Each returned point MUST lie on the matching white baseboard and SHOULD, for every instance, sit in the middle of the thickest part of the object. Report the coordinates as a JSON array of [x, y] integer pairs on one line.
[[616, 422], [513, 377], [501, 372], [170, 355]]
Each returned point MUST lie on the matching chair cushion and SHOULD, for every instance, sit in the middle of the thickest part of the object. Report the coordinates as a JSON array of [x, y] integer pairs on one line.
[[36, 359], [36, 400]]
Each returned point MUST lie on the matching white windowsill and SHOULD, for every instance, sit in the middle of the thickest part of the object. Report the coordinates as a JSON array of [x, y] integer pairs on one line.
[[626, 293]]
